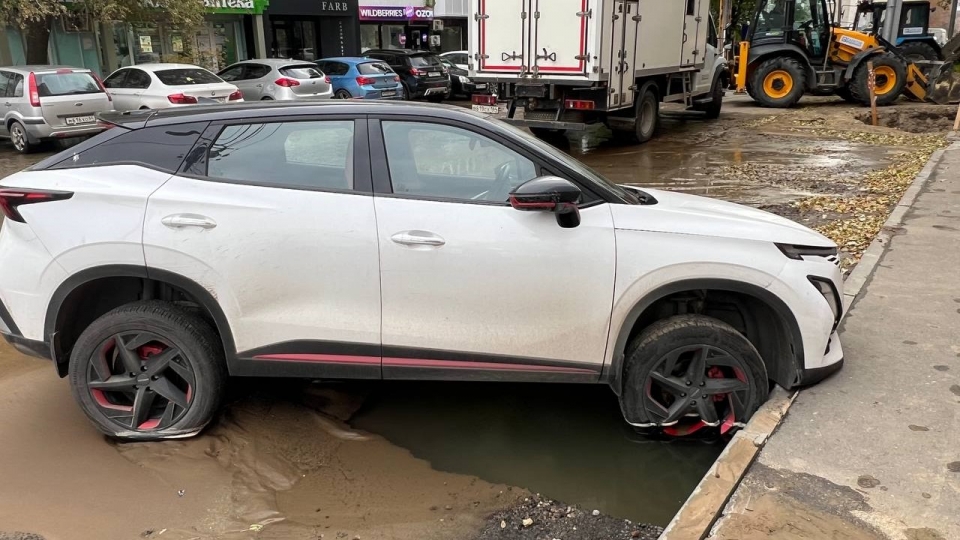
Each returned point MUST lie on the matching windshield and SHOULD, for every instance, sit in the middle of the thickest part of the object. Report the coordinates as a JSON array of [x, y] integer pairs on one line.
[[374, 68], [571, 163], [187, 76], [66, 84], [301, 72]]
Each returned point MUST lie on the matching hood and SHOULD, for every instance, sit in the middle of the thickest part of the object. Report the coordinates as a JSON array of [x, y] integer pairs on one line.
[[680, 213]]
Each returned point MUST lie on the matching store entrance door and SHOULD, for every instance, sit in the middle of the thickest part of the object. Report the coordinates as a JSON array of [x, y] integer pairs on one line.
[[296, 39]]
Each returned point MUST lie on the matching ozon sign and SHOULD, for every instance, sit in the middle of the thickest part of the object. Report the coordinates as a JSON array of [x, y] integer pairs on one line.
[[395, 13]]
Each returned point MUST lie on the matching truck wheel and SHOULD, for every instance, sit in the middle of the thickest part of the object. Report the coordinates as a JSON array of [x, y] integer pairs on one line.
[[648, 113], [919, 50], [148, 371], [891, 77], [712, 109], [778, 82], [691, 374]]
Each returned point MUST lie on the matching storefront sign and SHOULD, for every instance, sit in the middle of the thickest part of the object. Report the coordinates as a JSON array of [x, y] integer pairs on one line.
[[334, 7], [391, 13], [236, 6]]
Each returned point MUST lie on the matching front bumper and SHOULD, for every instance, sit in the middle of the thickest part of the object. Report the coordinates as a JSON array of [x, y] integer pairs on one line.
[[832, 363]]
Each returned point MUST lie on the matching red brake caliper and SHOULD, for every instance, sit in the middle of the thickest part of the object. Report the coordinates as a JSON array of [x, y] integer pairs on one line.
[[716, 373]]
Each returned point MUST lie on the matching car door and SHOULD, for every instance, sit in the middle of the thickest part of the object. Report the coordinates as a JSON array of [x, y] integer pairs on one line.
[[276, 219], [255, 81], [6, 101], [126, 87], [235, 75], [472, 288]]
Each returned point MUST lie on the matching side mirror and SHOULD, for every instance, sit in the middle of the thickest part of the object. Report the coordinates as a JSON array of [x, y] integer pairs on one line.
[[549, 194]]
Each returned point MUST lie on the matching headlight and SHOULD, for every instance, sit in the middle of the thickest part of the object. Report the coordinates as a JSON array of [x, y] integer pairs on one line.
[[830, 294], [799, 252], [464, 80]]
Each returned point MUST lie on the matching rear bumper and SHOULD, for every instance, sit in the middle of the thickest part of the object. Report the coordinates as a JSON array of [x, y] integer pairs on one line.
[[546, 124], [11, 333], [430, 88], [288, 95], [38, 129], [377, 93]]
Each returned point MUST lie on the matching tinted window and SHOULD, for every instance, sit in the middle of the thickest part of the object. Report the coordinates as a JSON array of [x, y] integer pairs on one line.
[[441, 161], [117, 79], [160, 147], [336, 69], [232, 73], [137, 78], [457, 58], [315, 155], [301, 72], [66, 84], [424, 60], [373, 68], [186, 76], [256, 71]]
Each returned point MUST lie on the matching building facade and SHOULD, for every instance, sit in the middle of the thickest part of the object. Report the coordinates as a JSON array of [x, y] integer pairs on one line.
[[312, 29]]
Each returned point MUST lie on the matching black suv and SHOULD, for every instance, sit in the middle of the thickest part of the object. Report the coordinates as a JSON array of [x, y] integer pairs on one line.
[[421, 73]]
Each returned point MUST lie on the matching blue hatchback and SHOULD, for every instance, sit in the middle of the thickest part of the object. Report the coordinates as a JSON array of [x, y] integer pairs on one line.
[[361, 78]]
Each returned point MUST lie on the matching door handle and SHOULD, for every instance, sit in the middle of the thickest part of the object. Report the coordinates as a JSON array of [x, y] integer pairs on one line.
[[180, 221], [418, 238]]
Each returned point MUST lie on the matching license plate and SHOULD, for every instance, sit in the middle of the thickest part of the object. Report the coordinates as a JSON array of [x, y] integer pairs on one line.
[[481, 86], [388, 93], [433, 74], [487, 109], [75, 120]]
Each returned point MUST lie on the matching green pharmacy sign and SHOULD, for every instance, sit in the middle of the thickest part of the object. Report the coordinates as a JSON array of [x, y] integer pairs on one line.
[[245, 7]]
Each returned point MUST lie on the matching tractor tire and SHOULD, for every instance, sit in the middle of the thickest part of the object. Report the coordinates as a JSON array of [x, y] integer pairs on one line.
[[778, 82], [891, 77], [919, 50]]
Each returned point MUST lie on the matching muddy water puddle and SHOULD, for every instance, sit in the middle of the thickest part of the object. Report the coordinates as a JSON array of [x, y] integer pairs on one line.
[[569, 443]]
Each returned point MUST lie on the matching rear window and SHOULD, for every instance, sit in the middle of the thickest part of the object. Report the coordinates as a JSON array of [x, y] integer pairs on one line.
[[373, 68], [424, 61], [301, 72], [159, 147], [66, 84], [184, 77]]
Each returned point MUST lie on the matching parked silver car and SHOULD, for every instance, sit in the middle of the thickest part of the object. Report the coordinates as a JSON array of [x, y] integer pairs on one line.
[[278, 79], [39, 103]]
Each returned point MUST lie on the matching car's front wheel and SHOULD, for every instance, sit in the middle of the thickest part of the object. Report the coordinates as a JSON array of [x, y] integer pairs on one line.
[[148, 371], [692, 375]]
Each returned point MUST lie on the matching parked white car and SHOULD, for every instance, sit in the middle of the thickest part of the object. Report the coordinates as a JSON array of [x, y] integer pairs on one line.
[[158, 86], [461, 59], [385, 240]]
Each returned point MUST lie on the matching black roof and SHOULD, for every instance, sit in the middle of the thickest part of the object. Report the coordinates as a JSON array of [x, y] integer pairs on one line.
[[275, 109]]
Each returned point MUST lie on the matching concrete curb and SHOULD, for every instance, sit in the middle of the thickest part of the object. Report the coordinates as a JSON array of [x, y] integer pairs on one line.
[[708, 499], [704, 506]]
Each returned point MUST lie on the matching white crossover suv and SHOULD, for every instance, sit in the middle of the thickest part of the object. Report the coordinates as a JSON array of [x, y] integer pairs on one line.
[[394, 241]]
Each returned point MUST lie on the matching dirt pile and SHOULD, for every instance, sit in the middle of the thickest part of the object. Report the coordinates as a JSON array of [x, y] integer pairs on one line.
[[914, 119], [537, 517]]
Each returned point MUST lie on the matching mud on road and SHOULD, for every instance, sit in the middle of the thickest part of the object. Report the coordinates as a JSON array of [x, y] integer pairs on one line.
[[297, 460]]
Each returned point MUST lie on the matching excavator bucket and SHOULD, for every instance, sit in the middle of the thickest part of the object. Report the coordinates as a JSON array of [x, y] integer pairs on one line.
[[943, 81]]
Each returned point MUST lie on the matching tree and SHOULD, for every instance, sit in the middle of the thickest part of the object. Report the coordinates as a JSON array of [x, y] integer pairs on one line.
[[35, 17], [740, 11]]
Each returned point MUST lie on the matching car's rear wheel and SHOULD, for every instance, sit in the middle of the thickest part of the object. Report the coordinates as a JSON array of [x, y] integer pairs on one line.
[[342, 94], [148, 371], [19, 138], [692, 375]]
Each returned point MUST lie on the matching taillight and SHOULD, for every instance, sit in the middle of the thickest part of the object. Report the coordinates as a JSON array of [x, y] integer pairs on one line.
[[364, 81], [235, 96], [581, 104], [181, 99], [484, 99], [11, 198], [415, 72], [286, 82], [32, 89], [102, 88], [326, 79]]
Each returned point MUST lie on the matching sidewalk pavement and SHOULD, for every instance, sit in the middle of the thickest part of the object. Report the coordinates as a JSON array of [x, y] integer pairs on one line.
[[874, 451]]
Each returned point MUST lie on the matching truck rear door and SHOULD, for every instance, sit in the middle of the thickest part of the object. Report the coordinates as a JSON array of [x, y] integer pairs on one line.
[[694, 30], [502, 27], [559, 37]]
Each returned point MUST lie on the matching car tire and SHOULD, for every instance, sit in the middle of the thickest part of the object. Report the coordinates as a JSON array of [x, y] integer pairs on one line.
[[406, 92], [778, 82], [179, 384], [342, 94], [675, 362], [20, 139], [891, 78]]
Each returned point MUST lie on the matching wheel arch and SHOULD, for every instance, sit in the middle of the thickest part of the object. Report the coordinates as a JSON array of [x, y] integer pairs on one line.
[[103, 288], [769, 324], [762, 53]]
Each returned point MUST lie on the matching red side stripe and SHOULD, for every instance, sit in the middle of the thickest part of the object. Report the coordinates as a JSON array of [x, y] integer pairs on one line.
[[321, 358]]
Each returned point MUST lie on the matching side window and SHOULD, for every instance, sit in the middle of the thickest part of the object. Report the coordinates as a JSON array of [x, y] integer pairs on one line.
[[6, 78], [16, 86], [435, 160], [256, 71], [117, 80], [460, 59], [160, 147], [337, 69], [313, 155], [232, 73], [691, 7], [138, 79]]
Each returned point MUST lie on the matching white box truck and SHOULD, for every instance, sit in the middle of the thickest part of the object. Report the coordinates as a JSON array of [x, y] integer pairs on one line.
[[568, 63]]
